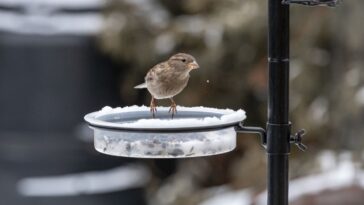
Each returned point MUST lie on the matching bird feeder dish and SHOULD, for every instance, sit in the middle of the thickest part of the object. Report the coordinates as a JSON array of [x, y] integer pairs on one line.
[[193, 132]]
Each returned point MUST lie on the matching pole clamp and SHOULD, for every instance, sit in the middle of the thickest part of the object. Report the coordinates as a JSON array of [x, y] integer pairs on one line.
[[294, 139]]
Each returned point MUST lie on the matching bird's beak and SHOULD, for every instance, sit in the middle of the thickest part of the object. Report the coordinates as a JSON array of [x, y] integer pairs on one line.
[[193, 65]]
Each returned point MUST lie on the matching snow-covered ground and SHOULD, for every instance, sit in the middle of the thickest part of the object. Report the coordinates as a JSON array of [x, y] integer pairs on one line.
[[338, 172]]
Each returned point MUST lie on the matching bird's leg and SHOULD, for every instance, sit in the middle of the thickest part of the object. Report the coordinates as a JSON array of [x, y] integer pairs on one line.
[[153, 106], [173, 107]]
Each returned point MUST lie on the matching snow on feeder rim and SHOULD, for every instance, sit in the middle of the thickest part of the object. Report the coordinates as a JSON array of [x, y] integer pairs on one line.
[[194, 131]]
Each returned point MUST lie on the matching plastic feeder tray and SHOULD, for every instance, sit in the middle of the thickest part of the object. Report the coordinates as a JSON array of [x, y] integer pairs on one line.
[[193, 132]]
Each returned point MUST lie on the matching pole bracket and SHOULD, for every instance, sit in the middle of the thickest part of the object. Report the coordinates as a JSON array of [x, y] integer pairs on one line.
[[330, 3], [253, 130], [294, 139]]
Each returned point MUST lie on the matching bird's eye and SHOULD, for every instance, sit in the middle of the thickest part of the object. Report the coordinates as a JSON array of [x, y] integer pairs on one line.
[[184, 60]]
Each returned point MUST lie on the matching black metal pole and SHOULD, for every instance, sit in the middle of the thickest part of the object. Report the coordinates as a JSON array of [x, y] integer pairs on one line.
[[278, 126]]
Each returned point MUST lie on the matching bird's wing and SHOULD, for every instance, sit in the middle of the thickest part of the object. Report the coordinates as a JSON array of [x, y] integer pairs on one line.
[[141, 86], [153, 74], [157, 71]]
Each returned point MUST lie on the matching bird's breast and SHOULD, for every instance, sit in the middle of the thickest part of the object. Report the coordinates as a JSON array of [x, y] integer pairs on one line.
[[161, 87]]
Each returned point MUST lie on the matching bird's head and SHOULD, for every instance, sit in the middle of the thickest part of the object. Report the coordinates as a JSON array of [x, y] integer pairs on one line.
[[183, 62]]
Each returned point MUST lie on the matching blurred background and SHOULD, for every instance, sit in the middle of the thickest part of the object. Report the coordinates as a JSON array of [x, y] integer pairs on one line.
[[62, 59]]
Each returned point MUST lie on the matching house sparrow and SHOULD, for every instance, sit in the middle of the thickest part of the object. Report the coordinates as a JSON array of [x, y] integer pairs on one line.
[[167, 79]]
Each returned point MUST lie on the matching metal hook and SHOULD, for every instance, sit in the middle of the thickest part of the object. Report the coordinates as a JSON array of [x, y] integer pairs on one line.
[[254, 130]]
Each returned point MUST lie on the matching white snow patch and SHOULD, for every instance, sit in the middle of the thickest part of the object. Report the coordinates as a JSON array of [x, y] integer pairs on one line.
[[238, 197], [41, 17], [93, 182], [44, 24], [228, 116], [52, 3], [327, 161]]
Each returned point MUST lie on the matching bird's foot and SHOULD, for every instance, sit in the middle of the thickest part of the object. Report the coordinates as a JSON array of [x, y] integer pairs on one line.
[[173, 109], [153, 110], [153, 107]]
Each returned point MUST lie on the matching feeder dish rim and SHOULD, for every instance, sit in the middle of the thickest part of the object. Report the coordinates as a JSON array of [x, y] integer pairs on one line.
[[201, 118]]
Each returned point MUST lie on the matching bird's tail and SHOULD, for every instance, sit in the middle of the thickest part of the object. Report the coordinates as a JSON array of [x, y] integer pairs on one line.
[[141, 86]]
